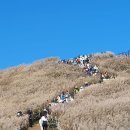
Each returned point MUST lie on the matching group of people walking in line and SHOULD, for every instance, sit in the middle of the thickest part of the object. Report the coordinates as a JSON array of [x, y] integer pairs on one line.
[[43, 117], [45, 114], [64, 97], [83, 62], [67, 96]]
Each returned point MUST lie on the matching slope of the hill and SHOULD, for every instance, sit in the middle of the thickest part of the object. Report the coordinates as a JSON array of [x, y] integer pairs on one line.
[[104, 106], [29, 87]]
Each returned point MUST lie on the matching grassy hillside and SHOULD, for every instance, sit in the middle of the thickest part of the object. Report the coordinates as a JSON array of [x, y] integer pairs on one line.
[[104, 106], [25, 87]]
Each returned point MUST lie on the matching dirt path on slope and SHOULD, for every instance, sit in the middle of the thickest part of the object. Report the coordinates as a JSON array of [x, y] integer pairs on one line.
[[37, 127]]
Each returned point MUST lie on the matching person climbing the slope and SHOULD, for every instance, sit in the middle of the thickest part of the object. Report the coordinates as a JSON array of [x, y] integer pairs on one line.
[[76, 90], [62, 97], [44, 120], [44, 112], [30, 117]]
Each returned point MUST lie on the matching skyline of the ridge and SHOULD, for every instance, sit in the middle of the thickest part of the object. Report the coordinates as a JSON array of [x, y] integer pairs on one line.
[[31, 30], [125, 53]]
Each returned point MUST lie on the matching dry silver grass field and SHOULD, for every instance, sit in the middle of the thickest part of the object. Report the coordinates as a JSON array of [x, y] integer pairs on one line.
[[103, 106], [25, 87]]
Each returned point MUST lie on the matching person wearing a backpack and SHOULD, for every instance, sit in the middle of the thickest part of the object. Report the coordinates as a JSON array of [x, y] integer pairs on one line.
[[44, 120]]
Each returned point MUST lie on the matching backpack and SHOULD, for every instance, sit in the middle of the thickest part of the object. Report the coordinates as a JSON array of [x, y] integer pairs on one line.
[[44, 123]]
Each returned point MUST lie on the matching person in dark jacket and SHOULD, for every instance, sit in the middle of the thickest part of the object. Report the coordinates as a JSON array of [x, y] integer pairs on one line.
[[30, 118]]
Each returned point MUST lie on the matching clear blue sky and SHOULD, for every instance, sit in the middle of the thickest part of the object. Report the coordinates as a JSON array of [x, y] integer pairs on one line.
[[35, 29]]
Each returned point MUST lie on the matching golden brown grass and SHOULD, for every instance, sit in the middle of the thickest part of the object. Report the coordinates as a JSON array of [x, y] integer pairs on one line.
[[104, 106], [25, 87], [101, 107], [111, 63]]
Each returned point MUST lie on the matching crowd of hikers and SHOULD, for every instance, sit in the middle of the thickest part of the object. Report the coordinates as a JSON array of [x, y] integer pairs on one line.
[[44, 115], [84, 63], [66, 96]]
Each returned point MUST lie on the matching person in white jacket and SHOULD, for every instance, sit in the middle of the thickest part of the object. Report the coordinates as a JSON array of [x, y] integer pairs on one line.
[[43, 122]]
